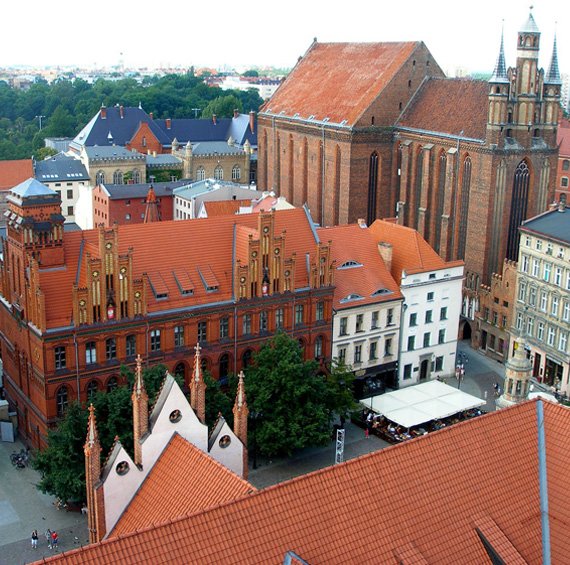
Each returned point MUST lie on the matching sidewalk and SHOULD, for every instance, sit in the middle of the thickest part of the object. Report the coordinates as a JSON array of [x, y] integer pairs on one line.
[[23, 508]]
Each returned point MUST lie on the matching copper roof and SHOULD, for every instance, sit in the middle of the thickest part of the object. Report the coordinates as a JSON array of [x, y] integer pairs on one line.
[[339, 81], [427, 500]]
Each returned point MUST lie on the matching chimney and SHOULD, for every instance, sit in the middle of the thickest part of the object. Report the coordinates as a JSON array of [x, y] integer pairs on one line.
[[361, 222], [103, 112], [236, 112], [252, 121], [168, 123], [150, 115], [385, 250], [214, 118], [121, 111]]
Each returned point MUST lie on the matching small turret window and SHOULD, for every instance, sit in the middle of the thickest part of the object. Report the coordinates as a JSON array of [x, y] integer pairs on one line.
[[225, 441], [122, 468], [175, 416]]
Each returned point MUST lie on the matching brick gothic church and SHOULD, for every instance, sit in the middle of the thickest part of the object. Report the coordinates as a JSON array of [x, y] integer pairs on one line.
[[75, 306], [376, 131]]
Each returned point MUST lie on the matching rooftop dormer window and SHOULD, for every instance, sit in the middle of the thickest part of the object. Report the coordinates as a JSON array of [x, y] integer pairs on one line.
[[350, 264]]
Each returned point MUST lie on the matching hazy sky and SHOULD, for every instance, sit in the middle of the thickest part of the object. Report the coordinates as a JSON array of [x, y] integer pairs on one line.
[[201, 33]]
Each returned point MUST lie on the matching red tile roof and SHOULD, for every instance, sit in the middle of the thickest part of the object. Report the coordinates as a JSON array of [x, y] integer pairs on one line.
[[224, 207], [423, 499], [449, 106], [410, 251], [203, 246], [339, 81], [154, 503], [563, 138], [353, 243], [12, 173]]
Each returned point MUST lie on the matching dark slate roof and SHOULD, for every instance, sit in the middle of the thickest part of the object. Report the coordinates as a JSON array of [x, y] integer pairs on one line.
[[112, 152], [530, 25], [162, 160], [240, 130], [60, 168], [123, 191], [211, 147], [449, 106], [189, 130], [97, 131], [554, 223]]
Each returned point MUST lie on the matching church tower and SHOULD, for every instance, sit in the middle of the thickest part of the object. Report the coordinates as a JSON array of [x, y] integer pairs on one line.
[[140, 413], [517, 377], [198, 388], [95, 499], [498, 98]]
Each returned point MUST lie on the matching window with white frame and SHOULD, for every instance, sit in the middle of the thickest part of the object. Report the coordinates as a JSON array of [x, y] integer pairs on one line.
[[546, 272], [154, 340], [538, 245], [388, 347], [390, 313], [522, 291], [554, 303], [179, 336], [224, 328], [543, 300], [519, 321], [319, 347], [299, 311], [235, 172], [359, 322], [535, 267], [563, 342], [551, 336], [374, 323], [529, 325], [558, 276], [202, 331], [566, 311], [358, 353], [320, 312], [90, 352], [200, 173], [246, 325], [373, 349], [279, 322], [549, 248], [343, 326], [540, 331], [532, 296], [111, 349], [527, 241], [525, 263], [219, 173]]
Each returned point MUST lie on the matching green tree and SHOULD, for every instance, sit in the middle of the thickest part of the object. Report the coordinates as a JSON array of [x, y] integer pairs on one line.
[[283, 388], [250, 73], [222, 107], [62, 463], [219, 401], [340, 397]]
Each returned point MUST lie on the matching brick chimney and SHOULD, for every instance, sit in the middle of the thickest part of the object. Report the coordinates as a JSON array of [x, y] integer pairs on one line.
[[140, 413], [252, 121], [121, 112], [385, 250], [103, 112], [214, 118], [236, 112], [168, 123]]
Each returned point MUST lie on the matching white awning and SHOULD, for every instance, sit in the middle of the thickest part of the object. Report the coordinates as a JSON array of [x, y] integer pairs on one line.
[[421, 403]]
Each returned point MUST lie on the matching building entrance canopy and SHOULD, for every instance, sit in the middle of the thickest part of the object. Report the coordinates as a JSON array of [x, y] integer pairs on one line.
[[421, 403]]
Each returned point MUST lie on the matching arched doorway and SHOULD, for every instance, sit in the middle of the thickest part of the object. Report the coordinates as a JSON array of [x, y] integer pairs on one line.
[[466, 332]]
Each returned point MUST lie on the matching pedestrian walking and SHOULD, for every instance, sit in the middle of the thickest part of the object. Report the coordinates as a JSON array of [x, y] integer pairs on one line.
[[35, 539], [48, 537], [367, 433], [54, 540]]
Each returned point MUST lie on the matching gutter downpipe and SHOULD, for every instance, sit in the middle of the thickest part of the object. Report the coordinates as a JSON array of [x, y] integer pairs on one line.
[[323, 180], [543, 484], [76, 365]]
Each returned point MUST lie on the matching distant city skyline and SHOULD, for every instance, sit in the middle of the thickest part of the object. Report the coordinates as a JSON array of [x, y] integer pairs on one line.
[[236, 35]]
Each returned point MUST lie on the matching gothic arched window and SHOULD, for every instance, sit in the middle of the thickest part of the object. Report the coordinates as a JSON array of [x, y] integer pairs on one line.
[[61, 400], [372, 187], [219, 173], [519, 203], [464, 209], [235, 172], [200, 173], [100, 178], [117, 177]]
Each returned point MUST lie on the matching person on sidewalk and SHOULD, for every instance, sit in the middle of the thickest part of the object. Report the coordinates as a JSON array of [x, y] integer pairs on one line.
[[35, 539], [48, 537], [54, 540]]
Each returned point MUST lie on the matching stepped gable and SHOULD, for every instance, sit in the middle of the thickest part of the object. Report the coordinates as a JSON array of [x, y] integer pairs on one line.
[[158, 247], [180, 464], [449, 106], [410, 251], [446, 497], [339, 81], [355, 244]]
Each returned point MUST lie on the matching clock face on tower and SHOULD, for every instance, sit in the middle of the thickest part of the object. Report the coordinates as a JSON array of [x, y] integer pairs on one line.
[[82, 303], [95, 274], [108, 245], [137, 294]]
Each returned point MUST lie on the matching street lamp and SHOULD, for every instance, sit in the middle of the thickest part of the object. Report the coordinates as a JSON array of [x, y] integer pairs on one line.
[[40, 118]]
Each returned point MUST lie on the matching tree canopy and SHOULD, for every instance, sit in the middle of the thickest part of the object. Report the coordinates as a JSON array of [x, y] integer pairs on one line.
[[66, 106]]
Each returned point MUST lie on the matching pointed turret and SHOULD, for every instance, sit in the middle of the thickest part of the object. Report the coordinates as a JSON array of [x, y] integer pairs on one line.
[[500, 72], [140, 412], [95, 499], [198, 388], [553, 74], [151, 213], [241, 411]]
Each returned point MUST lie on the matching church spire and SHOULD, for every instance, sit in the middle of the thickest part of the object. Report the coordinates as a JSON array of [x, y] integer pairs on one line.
[[241, 412], [500, 72], [198, 388], [95, 499], [140, 412], [518, 371], [553, 74], [151, 213]]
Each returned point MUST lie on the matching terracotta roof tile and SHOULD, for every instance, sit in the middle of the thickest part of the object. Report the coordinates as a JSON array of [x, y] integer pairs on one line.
[[12, 173], [449, 106], [160, 245], [410, 251], [563, 138], [339, 81], [155, 504], [426, 493], [354, 244], [224, 207]]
